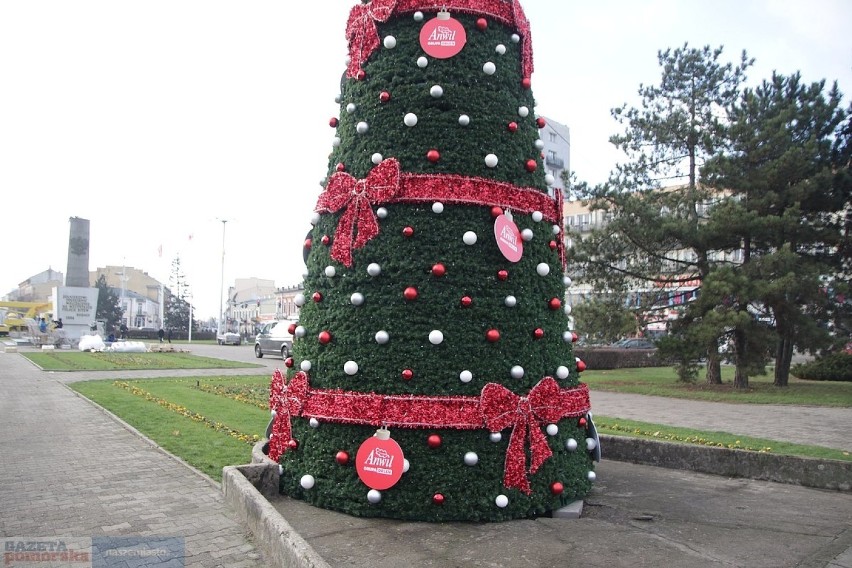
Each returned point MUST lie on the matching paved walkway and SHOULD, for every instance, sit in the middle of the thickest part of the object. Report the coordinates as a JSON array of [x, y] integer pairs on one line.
[[67, 470]]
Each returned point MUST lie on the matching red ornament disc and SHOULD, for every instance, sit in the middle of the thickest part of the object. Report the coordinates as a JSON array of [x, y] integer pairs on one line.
[[508, 238], [379, 462], [442, 37]]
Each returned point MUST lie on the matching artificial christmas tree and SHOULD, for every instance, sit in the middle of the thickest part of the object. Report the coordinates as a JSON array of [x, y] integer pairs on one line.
[[433, 375]]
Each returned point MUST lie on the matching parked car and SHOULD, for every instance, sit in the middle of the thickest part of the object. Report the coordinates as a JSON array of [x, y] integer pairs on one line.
[[229, 338], [274, 338], [635, 343]]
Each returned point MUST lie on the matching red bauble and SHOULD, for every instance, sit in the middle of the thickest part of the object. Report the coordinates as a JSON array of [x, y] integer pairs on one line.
[[439, 270], [325, 240], [340, 167], [333, 122], [410, 293], [580, 366], [552, 245], [531, 165], [503, 275], [438, 499], [288, 362], [582, 422], [556, 488], [342, 457], [538, 333], [291, 329], [293, 444], [361, 75], [408, 232], [526, 83], [492, 335], [574, 337], [555, 303], [434, 441], [308, 243], [324, 337], [384, 96], [466, 301], [481, 24], [513, 127], [433, 155], [496, 211], [317, 297], [540, 122], [407, 374]]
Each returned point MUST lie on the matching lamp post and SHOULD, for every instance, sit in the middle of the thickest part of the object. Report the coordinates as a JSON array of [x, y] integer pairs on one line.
[[222, 288]]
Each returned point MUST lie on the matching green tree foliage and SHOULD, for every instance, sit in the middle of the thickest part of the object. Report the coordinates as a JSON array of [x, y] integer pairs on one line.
[[604, 319], [177, 304], [659, 240], [108, 309], [788, 193]]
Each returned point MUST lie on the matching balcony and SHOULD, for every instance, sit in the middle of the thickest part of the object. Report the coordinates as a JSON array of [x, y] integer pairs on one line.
[[555, 162]]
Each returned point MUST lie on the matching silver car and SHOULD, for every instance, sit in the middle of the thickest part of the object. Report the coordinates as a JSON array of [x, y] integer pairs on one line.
[[274, 339]]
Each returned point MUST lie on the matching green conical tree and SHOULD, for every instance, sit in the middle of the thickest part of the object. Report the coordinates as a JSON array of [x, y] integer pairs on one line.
[[413, 318]]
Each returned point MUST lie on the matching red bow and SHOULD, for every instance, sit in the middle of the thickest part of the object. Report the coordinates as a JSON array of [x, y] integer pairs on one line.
[[287, 400], [502, 408], [362, 33], [358, 197]]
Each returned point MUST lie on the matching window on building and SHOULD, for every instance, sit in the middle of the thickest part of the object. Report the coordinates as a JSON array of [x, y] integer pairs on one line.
[[553, 137]]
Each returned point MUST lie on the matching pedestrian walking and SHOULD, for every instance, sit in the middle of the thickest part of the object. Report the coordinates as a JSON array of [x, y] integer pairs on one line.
[[160, 334]]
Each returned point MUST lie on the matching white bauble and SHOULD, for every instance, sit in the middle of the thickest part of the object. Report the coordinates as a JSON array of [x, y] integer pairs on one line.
[[436, 91], [280, 469], [523, 111], [470, 458], [566, 280], [406, 465], [305, 365], [335, 142], [422, 62], [591, 476], [350, 368], [307, 481], [382, 337], [438, 207], [376, 158], [469, 238], [382, 213], [489, 68], [527, 235], [543, 269], [552, 429], [436, 337], [465, 376], [571, 445], [464, 119], [537, 216], [299, 299], [491, 160], [361, 127], [314, 423], [418, 16], [591, 444], [390, 42], [517, 372], [300, 331], [315, 218], [356, 299], [351, 108], [539, 144], [495, 437], [516, 38], [374, 496], [567, 309], [555, 229], [274, 414], [410, 119], [549, 179], [330, 271], [338, 98], [500, 49], [510, 301], [373, 269], [562, 371], [501, 501], [568, 336]]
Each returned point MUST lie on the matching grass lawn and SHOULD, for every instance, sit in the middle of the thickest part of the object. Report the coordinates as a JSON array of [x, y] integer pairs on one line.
[[662, 381], [107, 361]]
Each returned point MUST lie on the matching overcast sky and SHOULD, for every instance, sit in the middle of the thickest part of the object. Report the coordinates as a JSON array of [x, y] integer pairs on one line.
[[157, 119]]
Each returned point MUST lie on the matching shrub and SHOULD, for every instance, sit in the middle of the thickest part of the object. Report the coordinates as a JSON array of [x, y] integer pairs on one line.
[[831, 367], [604, 358]]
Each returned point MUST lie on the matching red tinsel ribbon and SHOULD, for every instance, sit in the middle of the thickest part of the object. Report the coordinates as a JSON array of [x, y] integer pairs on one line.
[[358, 224], [385, 184], [496, 408], [363, 35]]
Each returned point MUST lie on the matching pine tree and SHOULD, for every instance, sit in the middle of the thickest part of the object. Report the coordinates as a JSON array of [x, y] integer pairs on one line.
[[412, 318]]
